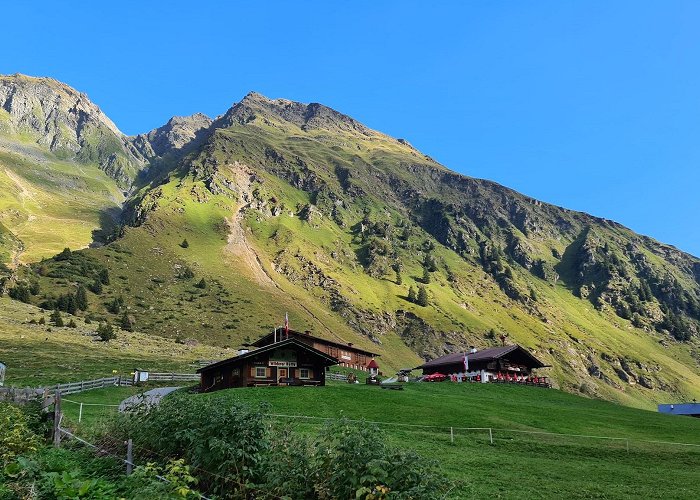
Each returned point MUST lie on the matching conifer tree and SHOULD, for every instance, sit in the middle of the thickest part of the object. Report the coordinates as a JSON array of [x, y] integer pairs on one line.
[[81, 299], [71, 304], [56, 318], [399, 280], [104, 276], [422, 299], [202, 284], [412, 294], [185, 243], [106, 332], [96, 287], [426, 275], [126, 323], [72, 324]]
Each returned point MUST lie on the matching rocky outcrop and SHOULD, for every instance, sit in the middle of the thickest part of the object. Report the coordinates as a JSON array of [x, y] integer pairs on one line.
[[65, 122], [179, 135]]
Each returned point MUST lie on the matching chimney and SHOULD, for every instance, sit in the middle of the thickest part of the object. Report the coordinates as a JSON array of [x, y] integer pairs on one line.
[[349, 344], [243, 351], [472, 349]]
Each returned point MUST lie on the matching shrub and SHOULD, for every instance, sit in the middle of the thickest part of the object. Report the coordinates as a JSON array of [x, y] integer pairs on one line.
[[64, 255], [96, 287], [241, 455], [185, 243], [56, 319], [16, 436], [21, 293], [202, 284], [106, 332]]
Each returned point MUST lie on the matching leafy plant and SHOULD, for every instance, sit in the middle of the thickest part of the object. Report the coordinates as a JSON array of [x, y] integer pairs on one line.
[[16, 436]]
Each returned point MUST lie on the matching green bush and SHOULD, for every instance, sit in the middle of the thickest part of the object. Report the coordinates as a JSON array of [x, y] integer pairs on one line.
[[16, 435], [235, 452]]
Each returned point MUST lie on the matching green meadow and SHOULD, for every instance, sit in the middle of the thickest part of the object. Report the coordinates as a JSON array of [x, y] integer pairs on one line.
[[640, 463]]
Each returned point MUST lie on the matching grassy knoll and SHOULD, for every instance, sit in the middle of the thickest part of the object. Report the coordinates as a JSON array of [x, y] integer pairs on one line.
[[38, 355], [516, 465]]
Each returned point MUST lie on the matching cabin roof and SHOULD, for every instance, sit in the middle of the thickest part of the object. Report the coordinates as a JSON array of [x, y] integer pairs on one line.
[[330, 360], [489, 354], [372, 364], [270, 337]]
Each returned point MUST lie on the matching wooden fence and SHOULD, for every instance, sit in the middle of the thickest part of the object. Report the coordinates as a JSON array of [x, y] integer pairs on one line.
[[336, 376], [24, 395], [173, 377], [86, 385]]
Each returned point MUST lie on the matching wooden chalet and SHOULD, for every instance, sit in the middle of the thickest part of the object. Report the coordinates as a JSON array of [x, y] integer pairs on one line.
[[511, 363], [347, 354], [287, 362]]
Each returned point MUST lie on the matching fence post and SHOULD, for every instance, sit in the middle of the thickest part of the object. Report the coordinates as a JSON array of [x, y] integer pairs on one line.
[[490, 435], [129, 457], [80, 413], [452, 435], [57, 419]]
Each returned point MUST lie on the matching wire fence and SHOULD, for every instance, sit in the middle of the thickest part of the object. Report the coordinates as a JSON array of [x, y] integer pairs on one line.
[[465, 435], [462, 435]]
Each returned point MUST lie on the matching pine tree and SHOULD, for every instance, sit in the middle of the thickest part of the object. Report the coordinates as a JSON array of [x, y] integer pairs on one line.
[[185, 243], [42, 321], [96, 287], [56, 318], [35, 288], [81, 299], [399, 281], [21, 293], [106, 332], [422, 299], [202, 284], [426, 275], [115, 306], [72, 324], [71, 304], [126, 323], [412, 294], [64, 255], [104, 276]]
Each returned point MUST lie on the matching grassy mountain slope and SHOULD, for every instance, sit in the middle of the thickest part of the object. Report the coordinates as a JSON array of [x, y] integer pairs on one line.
[[298, 208], [63, 165], [38, 355]]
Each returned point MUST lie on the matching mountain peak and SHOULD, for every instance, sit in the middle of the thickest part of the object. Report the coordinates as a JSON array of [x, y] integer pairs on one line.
[[176, 135], [63, 121], [311, 116]]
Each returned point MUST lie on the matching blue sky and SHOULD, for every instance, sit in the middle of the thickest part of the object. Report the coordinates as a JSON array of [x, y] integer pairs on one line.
[[591, 105]]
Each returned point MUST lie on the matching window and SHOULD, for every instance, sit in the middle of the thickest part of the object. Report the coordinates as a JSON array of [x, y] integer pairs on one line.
[[235, 372], [304, 373], [260, 372]]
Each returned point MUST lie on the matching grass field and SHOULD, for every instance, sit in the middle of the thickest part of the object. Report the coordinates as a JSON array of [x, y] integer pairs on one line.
[[39, 355], [516, 465]]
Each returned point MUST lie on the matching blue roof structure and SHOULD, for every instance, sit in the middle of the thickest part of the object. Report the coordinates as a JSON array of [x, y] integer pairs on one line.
[[689, 409]]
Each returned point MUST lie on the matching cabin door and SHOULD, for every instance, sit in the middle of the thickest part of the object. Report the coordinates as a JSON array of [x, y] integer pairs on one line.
[[281, 373]]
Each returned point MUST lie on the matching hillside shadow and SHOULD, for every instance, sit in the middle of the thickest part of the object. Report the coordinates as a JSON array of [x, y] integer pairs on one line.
[[110, 220], [567, 266]]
